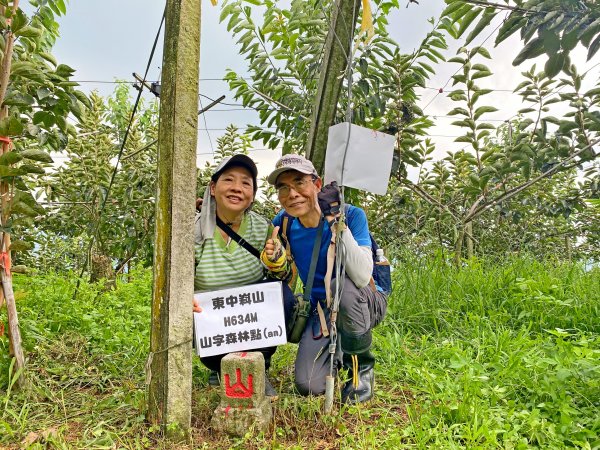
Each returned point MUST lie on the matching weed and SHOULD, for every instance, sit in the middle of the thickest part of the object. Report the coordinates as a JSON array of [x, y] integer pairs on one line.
[[488, 356]]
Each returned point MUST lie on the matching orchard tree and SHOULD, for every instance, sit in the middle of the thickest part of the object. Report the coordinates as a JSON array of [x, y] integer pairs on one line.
[[546, 27], [79, 187], [284, 51], [36, 97]]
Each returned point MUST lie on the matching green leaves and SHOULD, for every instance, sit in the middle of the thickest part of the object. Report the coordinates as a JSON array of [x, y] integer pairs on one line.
[[11, 126], [485, 20], [28, 32], [36, 155], [482, 110], [10, 158], [554, 64], [531, 50], [593, 48]]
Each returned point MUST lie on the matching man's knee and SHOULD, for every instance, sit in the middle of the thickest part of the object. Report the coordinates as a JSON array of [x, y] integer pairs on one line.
[[310, 386], [353, 315]]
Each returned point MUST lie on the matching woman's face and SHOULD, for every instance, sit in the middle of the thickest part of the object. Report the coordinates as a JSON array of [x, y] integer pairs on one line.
[[234, 190]]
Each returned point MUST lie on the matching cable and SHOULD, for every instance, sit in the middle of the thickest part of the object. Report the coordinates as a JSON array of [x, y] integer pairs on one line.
[[465, 63], [206, 127], [254, 149], [519, 9], [114, 173], [251, 79]]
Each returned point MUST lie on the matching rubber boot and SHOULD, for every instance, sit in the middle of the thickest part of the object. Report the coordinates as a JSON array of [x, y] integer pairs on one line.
[[360, 387], [360, 363]]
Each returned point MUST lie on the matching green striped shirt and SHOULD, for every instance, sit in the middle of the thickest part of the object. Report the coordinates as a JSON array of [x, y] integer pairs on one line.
[[221, 264]]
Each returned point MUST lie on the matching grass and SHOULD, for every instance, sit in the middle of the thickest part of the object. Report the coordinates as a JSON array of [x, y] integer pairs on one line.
[[489, 356]]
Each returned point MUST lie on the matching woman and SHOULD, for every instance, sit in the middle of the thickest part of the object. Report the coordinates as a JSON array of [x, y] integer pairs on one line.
[[220, 261]]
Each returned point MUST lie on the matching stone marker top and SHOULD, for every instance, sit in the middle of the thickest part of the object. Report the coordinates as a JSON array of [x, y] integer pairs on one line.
[[243, 378]]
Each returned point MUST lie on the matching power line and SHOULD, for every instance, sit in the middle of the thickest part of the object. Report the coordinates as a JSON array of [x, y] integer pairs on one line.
[[251, 150], [206, 127], [432, 88], [114, 173], [465, 63], [518, 8]]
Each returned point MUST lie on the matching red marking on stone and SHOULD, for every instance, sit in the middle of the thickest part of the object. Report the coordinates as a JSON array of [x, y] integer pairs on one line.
[[227, 410], [238, 390], [244, 354]]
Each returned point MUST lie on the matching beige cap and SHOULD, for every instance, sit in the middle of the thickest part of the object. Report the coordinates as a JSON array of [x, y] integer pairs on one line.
[[292, 162]]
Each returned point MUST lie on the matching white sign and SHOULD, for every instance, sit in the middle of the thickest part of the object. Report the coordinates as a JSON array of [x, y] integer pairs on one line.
[[367, 161], [239, 318]]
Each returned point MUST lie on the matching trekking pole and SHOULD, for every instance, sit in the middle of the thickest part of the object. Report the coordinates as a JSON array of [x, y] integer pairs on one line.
[[339, 257], [339, 250]]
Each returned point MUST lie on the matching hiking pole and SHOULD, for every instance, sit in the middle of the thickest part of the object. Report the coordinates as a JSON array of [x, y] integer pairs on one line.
[[339, 256]]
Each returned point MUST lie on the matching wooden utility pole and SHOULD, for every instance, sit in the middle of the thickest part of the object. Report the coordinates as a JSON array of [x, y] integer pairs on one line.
[[170, 376], [338, 46]]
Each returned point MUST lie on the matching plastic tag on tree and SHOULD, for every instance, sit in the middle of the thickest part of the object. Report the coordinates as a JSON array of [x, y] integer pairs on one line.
[[368, 160]]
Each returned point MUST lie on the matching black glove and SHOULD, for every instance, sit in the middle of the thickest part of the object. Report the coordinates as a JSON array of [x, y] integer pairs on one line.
[[329, 199]]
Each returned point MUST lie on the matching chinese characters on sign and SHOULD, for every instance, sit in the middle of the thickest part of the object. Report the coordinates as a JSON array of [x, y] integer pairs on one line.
[[241, 318]]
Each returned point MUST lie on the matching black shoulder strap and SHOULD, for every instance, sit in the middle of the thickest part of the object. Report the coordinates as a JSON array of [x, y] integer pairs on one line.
[[237, 238]]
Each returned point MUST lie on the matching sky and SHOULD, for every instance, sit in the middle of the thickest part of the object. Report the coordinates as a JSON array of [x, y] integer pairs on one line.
[[108, 40]]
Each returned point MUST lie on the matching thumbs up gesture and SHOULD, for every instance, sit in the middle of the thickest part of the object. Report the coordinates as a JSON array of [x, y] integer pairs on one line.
[[273, 248]]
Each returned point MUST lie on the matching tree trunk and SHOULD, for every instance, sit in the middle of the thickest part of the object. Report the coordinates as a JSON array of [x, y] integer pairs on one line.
[[568, 250], [7, 290], [469, 241], [338, 45], [458, 247], [14, 334]]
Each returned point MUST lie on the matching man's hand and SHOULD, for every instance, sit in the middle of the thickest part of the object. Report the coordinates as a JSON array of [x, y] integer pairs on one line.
[[199, 204], [196, 306], [273, 247], [330, 199]]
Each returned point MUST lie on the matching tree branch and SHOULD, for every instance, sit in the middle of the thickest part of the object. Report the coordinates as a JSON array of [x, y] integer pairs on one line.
[[512, 192]]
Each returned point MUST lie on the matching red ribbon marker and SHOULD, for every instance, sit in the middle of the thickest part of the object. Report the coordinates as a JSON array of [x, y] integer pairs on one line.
[[5, 262]]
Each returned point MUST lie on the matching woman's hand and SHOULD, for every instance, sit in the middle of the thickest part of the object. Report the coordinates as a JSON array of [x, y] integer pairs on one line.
[[196, 306]]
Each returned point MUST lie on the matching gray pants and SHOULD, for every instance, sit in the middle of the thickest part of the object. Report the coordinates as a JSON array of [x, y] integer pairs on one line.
[[360, 311]]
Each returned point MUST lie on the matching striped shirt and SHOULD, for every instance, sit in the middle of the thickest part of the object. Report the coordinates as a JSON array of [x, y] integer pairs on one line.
[[221, 264]]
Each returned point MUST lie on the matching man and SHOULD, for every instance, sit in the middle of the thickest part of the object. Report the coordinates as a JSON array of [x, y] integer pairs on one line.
[[362, 305]]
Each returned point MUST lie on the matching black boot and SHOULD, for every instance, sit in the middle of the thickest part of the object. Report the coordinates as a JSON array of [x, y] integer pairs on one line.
[[359, 361], [359, 388]]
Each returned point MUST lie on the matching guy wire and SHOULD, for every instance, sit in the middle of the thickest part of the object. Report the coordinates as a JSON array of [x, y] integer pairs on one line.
[[122, 148]]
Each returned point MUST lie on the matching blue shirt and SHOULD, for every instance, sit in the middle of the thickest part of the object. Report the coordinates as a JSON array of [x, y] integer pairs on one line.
[[302, 239]]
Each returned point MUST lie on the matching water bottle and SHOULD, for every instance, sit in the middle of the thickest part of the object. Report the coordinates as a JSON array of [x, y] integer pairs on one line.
[[383, 271], [380, 259]]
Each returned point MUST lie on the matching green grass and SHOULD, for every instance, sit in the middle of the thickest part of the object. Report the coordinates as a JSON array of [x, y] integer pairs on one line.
[[489, 356]]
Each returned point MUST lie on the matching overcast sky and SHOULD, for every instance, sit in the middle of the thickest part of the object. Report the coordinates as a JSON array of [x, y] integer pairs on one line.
[[108, 40]]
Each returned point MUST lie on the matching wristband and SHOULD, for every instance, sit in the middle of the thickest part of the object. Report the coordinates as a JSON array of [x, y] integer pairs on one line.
[[276, 265]]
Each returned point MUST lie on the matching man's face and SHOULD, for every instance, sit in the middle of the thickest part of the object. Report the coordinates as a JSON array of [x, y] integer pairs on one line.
[[297, 192]]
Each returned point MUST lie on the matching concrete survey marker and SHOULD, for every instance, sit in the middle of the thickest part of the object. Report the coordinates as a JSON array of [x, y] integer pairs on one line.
[[243, 403]]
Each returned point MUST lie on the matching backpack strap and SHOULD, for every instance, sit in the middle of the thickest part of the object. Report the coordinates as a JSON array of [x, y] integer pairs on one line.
[[284, 231]]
